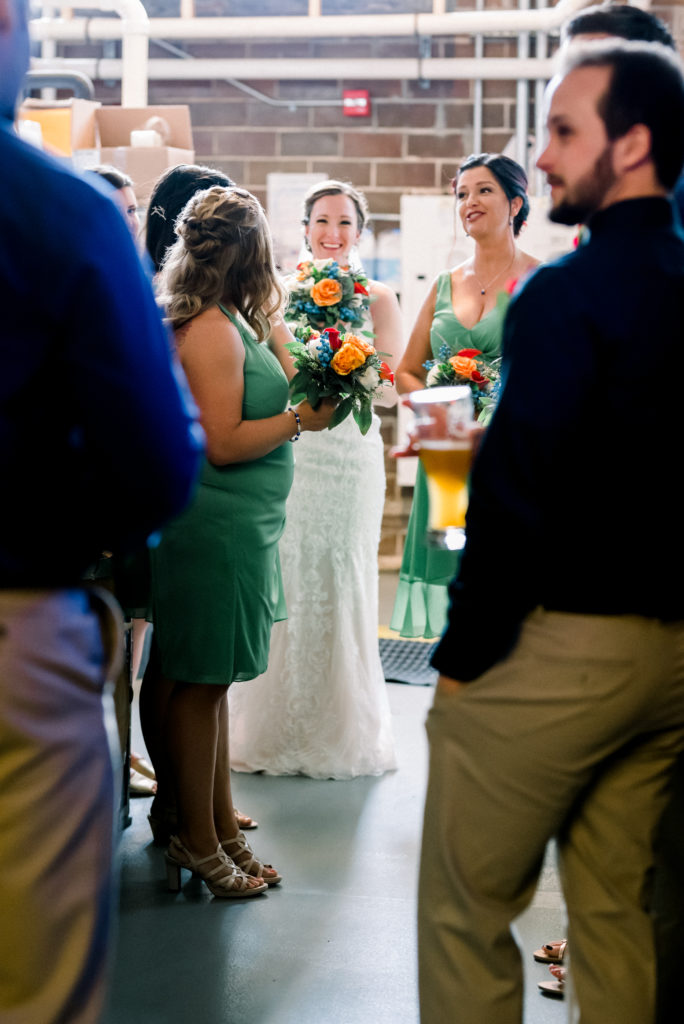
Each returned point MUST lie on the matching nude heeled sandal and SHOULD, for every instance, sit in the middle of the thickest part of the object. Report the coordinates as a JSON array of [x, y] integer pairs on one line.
[[239, 850], [224, 880]]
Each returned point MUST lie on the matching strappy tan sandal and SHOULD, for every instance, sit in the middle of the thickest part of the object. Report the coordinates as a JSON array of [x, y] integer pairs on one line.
[[551, 952], [556, 988], [220, 874], [239, 850]]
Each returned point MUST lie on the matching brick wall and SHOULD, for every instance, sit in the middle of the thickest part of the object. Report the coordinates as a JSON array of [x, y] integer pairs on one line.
[[412, 142]]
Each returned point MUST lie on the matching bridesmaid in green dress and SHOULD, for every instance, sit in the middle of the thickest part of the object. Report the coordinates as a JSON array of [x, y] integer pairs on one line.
[[216, 586], [460, 311]]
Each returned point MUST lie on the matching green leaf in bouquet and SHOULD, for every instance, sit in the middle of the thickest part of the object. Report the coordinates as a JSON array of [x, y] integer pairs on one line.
[[299, 382], [341, 413], [295, 348], [313, 395], [363, 414]]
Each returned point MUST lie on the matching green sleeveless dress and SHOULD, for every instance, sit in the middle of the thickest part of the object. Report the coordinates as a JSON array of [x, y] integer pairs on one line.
[[421, 604], [216, 583]]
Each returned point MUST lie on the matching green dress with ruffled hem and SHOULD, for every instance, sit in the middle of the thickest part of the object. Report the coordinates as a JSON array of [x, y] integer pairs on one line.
[[422, 601]]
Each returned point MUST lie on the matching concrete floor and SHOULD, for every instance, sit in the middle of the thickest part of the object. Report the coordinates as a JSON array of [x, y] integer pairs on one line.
[[336, 943]]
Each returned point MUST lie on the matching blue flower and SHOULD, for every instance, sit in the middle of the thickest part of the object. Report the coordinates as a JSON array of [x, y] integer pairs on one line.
[[325, 353], [445, 352]]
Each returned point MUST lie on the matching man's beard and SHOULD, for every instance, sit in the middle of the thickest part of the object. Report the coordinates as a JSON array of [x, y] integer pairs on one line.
[[588, 194]]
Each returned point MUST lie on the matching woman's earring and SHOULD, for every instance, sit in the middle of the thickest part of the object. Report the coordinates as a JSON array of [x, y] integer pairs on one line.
[[307, 243]]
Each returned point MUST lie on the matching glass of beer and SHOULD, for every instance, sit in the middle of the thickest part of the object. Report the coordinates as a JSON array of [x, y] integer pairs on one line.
[[443, 427]]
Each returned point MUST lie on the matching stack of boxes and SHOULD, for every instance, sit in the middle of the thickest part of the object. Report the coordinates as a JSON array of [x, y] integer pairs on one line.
[[140, 141]]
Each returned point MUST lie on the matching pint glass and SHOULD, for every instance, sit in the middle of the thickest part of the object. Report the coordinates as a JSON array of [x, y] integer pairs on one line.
[[443, 419]]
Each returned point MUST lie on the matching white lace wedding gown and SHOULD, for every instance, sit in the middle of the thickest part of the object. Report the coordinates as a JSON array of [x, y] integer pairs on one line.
[[321, 708]]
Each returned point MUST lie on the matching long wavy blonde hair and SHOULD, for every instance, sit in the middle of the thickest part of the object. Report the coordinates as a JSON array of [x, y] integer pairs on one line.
[[223, 254]]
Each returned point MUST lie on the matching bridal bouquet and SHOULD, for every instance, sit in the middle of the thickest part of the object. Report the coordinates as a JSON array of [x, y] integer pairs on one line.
[[322, 293], [345, 367], [483, 377]]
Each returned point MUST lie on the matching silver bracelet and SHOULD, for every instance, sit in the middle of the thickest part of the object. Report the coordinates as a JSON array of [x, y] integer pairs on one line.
[[299, 424]]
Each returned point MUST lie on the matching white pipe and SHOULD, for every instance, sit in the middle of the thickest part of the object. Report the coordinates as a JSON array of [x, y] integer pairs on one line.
[[354, 26], [539, 113], [478, 91], [522, 96], [490, 69], [133, 29]]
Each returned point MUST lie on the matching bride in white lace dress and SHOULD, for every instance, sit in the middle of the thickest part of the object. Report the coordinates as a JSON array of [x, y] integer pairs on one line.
[[321, 709]]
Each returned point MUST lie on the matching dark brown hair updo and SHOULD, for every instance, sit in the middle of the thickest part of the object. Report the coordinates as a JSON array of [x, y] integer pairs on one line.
[[170, 194], [509, 174], [222, 254]]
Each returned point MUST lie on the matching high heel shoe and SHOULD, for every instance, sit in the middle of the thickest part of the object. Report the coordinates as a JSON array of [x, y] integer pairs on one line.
[[239, 851], [225, 879]]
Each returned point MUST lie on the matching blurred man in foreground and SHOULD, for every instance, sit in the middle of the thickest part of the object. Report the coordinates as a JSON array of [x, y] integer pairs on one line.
[[97, 449], [560, 706]]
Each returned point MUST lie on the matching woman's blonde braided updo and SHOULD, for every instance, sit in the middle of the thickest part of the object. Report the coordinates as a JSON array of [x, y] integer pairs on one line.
[[223, 255]]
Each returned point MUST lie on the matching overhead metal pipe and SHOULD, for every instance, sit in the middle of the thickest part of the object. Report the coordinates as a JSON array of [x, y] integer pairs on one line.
[[493, 68], [135, 29], [288, 27], [522, 96]]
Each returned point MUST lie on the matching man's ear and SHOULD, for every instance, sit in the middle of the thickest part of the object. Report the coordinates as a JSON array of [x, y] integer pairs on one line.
[[632, 149]]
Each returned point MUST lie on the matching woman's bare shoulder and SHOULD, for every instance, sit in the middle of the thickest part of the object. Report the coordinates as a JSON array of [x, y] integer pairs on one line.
[[208, 328], [380, 288]]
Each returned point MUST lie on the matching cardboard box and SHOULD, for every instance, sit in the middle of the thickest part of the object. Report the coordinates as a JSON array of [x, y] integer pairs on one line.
[[66, 125], [144, 164]]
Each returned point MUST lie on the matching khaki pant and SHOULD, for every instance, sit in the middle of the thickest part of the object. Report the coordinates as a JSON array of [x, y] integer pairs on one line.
[[58, 649], [573, 735]]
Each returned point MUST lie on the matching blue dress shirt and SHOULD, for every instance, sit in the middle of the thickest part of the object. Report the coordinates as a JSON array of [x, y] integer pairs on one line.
[[98, 446]]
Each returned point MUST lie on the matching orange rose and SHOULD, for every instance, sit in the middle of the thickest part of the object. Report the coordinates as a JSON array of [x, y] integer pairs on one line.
[[463, 366], [326, 292], [349, 357], [361, 344]]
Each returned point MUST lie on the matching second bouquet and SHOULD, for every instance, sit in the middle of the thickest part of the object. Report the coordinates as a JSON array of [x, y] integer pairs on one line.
[[341, 366]]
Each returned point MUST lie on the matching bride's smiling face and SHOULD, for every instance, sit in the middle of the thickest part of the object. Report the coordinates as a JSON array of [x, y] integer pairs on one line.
[[333, 228]]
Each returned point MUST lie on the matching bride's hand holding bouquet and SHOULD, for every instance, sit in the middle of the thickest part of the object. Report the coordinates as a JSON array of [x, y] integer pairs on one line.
[[345, 368]]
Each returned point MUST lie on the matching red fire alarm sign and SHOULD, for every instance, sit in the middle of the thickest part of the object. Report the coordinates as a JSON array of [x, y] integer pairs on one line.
[[356, 102]]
